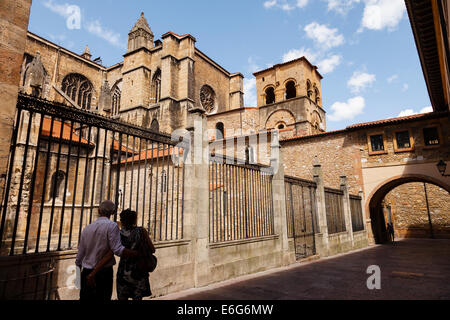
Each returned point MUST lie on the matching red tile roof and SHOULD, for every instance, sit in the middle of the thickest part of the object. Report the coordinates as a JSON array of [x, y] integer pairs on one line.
[[153, 154], [214, 187], [56, 131], [115, 147], [391, 120]]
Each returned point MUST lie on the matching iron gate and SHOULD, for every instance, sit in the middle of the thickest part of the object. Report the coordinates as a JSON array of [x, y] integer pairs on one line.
[[301, 215]]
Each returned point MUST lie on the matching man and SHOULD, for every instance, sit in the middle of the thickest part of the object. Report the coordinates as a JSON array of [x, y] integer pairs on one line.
[[97, 240]]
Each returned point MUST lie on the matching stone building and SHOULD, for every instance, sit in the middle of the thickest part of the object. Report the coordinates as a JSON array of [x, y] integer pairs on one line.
[[167, 84]]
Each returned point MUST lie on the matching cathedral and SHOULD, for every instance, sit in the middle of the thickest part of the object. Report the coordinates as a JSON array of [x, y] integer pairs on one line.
[[160, 80]]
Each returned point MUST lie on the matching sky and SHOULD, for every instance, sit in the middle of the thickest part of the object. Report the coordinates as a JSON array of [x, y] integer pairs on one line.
[[364, 49]]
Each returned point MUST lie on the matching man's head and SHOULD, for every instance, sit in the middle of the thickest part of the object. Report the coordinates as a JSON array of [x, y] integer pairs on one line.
[[107, 209]]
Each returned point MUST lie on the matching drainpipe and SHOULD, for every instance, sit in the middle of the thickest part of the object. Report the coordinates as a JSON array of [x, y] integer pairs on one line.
[[428, 210]]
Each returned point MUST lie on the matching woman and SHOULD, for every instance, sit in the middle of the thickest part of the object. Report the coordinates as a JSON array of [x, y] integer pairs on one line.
[[131, 282]]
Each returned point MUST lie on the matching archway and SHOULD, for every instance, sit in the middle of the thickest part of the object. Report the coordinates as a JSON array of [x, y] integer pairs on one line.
[[375, 201]]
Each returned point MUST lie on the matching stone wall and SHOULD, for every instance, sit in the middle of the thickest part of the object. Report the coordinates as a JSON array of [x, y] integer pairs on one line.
[[410, 213], [338, 154], [14, 15]]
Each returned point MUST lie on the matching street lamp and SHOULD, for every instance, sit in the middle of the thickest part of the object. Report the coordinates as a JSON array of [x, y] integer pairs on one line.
[[442, 167]]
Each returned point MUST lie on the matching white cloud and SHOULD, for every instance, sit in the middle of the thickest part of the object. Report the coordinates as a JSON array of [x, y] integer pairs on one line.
[[326, 64], [360, 81], [324, 37], [250, 92], [347, 110], [410, 112], [96, 28], [341, 6], [269, 4], [405, 87], [298, 53], [382, 14], [392, 78], [60, 9], [285, 5], [302, 3]]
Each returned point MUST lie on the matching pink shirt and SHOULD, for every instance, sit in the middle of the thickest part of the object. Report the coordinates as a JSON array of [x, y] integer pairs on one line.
[[95, 242]]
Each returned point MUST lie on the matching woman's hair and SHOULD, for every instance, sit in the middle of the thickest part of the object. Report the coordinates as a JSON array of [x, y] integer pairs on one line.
[[128, 218]]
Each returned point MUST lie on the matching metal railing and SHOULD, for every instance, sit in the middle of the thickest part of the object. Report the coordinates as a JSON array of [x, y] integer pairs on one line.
[[240, 202], [64, 162], [335, 210]]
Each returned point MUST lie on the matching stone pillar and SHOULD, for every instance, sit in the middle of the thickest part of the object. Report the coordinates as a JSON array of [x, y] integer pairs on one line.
[[347, 207], [321, 235], [14, 17], [279, 200], [196, 197]]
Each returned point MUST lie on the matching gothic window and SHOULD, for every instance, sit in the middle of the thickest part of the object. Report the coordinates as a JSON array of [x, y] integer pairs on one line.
[[154, 126], [156, 87], [57, 184], [291, 91], [78, 88], [116, 95], [220, 131], [250, 155], [208, 98], [270, 95]]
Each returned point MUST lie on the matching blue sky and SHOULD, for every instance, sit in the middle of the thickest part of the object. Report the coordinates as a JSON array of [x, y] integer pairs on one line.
[[364, 48]]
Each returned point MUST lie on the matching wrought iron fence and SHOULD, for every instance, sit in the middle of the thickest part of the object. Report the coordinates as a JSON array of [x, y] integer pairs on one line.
[[64, 162], [301, 214], [357, 216], [240, 202], [335, 210]]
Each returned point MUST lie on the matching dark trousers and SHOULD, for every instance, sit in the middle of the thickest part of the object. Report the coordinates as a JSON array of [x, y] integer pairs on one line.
[[103, 285]]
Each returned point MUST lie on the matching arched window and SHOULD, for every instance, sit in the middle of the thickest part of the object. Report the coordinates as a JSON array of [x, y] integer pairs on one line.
[[220, 131], [156, 87], [317, 95], [155, 125], [116, 95], [79, 89], [250, 155], [270, 95], [291, 91], [309, 91], [57, 188]]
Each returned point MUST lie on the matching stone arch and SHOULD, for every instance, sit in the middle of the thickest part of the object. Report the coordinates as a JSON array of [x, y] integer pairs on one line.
[[220, 131], [280, 116], [269, 94], [374, 200], [79, 89], [316, 121], [154, 125], [309, 91], [290, 86]]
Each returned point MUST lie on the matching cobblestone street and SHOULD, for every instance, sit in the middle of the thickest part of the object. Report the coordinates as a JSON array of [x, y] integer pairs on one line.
[[410, 269]]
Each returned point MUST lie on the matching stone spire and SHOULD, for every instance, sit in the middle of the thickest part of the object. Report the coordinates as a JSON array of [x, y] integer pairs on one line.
[[140, 35], [87, 53], [142, 24]]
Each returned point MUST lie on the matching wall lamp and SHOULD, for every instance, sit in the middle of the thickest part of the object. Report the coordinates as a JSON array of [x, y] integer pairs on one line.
[[442, 167]]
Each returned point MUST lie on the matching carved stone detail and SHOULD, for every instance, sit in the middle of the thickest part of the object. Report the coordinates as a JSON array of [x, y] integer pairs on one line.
[[208, 98]]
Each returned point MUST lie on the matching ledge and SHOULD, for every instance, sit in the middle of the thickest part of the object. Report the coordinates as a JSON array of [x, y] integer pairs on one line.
[[172, 243], [242, 242]]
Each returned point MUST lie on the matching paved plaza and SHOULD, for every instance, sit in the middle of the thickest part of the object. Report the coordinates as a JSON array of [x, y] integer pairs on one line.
[[410, 269]]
